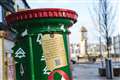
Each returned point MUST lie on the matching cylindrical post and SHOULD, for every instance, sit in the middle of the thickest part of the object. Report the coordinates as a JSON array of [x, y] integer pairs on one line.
[[42, 43], [109, 69]]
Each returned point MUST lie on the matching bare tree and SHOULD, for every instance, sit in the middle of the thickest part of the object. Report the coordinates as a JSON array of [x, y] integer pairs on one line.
[[105, 21]]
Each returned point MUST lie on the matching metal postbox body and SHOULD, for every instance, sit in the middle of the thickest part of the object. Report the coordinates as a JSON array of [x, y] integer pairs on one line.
[[41, 45]]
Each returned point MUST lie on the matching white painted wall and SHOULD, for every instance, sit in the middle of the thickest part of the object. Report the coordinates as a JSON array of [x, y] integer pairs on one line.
[[5, 45], [1, 61], [8, 45]]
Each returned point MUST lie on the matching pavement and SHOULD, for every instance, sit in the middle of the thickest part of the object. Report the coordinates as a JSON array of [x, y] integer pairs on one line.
[[88, 71]]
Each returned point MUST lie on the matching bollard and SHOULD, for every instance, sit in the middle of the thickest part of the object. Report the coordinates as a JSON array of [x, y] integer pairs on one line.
[[41, 45], [109, 70]]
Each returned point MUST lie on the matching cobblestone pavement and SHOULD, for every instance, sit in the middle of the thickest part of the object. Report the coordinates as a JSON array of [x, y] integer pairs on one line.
[[88, 72]]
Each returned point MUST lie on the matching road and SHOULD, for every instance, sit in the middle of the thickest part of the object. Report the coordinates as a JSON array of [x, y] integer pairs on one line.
[[88, 72]]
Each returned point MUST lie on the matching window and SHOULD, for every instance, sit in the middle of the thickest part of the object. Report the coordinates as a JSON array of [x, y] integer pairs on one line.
[[0, 14]]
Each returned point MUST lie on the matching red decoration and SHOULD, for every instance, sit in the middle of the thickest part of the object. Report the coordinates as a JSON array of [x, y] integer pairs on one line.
[[42, 13], [62, 73]]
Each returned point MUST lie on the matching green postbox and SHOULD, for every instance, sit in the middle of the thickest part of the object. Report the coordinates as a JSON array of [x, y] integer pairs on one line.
[[41, 49]]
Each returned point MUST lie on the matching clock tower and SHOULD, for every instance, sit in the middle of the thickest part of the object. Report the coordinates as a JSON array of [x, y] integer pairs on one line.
[[83, 41]]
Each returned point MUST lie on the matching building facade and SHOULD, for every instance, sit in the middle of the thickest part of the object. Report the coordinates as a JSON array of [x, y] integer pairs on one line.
[[116, 44], [74, 51], [7, 71], [96, 49]]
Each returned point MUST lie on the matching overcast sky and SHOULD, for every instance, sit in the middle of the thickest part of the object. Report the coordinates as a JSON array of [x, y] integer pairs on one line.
[[82, 7]]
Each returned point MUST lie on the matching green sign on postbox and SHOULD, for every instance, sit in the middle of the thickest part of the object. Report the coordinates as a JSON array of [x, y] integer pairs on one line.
[[41, 51]]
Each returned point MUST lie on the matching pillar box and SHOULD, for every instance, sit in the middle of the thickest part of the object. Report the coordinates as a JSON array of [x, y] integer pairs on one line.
[[41, 49]]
